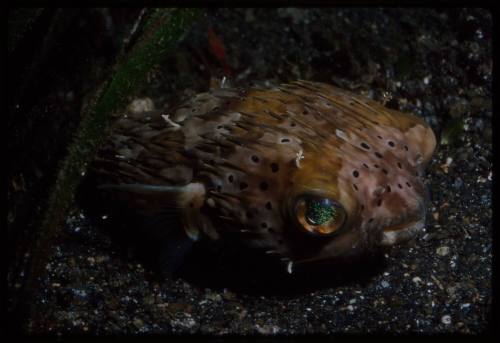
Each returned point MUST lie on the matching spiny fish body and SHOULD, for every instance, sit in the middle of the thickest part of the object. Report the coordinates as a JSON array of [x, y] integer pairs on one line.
[[304, 171]]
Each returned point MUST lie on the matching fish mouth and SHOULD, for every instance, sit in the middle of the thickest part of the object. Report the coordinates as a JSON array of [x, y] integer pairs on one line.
[[401, 232]]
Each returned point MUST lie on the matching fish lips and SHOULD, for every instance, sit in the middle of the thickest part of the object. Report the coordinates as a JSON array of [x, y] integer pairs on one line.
[[402, 232]]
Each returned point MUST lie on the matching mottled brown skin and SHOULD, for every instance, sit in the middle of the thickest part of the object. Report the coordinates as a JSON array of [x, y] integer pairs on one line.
[[235, 161]]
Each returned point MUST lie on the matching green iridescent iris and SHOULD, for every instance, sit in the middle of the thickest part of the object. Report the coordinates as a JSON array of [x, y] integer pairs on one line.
[[320, 212]]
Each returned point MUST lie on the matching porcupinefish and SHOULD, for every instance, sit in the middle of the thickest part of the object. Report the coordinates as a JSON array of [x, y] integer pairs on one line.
[[302, 172]]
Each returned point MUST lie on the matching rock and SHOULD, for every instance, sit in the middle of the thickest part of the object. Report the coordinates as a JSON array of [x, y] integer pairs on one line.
[[267, 329], [215, 297], [446, 319], [138, 323], [443, 251]]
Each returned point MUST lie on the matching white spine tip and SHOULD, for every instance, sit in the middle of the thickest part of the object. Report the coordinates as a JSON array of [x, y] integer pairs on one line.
[[169, 121], [299, 156], [341, 134], [289, 267]]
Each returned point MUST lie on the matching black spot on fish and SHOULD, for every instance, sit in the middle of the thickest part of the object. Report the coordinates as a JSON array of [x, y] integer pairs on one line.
[[274, 167], [264, 185], [365, 146]]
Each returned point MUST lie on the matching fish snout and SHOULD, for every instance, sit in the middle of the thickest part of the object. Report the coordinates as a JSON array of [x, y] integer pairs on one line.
[[410, 220]]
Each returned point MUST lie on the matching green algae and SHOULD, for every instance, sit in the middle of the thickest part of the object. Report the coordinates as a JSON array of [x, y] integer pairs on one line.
[[161, 31]]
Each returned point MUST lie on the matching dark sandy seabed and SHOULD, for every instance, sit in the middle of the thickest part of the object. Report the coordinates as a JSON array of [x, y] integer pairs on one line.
[[436, 64]]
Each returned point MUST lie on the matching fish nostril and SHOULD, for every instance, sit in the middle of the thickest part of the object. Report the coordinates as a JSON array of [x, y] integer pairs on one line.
[[230, 178], [255, 158], [365, 146], [355, 173], [388, 188], [379, 155], [366, 166], [391, 144], [274, 167], [385, 171], [399, 165], [379, 202], [408, 184], [379, 191], [406, 147], [354, 186], [399, 185]]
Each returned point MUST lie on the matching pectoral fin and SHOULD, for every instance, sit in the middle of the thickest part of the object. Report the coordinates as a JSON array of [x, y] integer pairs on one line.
[[160, 203], [160, 218]]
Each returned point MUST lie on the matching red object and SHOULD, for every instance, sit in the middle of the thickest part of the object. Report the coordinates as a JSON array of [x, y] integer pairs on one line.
[[218, 50]]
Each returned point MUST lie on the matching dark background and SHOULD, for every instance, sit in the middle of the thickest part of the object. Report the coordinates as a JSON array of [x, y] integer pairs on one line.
[[435, 63]]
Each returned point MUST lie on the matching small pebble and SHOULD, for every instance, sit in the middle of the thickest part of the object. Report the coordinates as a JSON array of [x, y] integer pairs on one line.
[[443, 251], [138, 323], [446, 319]]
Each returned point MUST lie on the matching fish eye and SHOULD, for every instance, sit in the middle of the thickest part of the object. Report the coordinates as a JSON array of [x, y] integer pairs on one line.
[[320, 216]]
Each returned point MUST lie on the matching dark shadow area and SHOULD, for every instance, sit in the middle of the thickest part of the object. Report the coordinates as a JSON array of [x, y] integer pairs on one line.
[[247, 272], [206, 264]]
